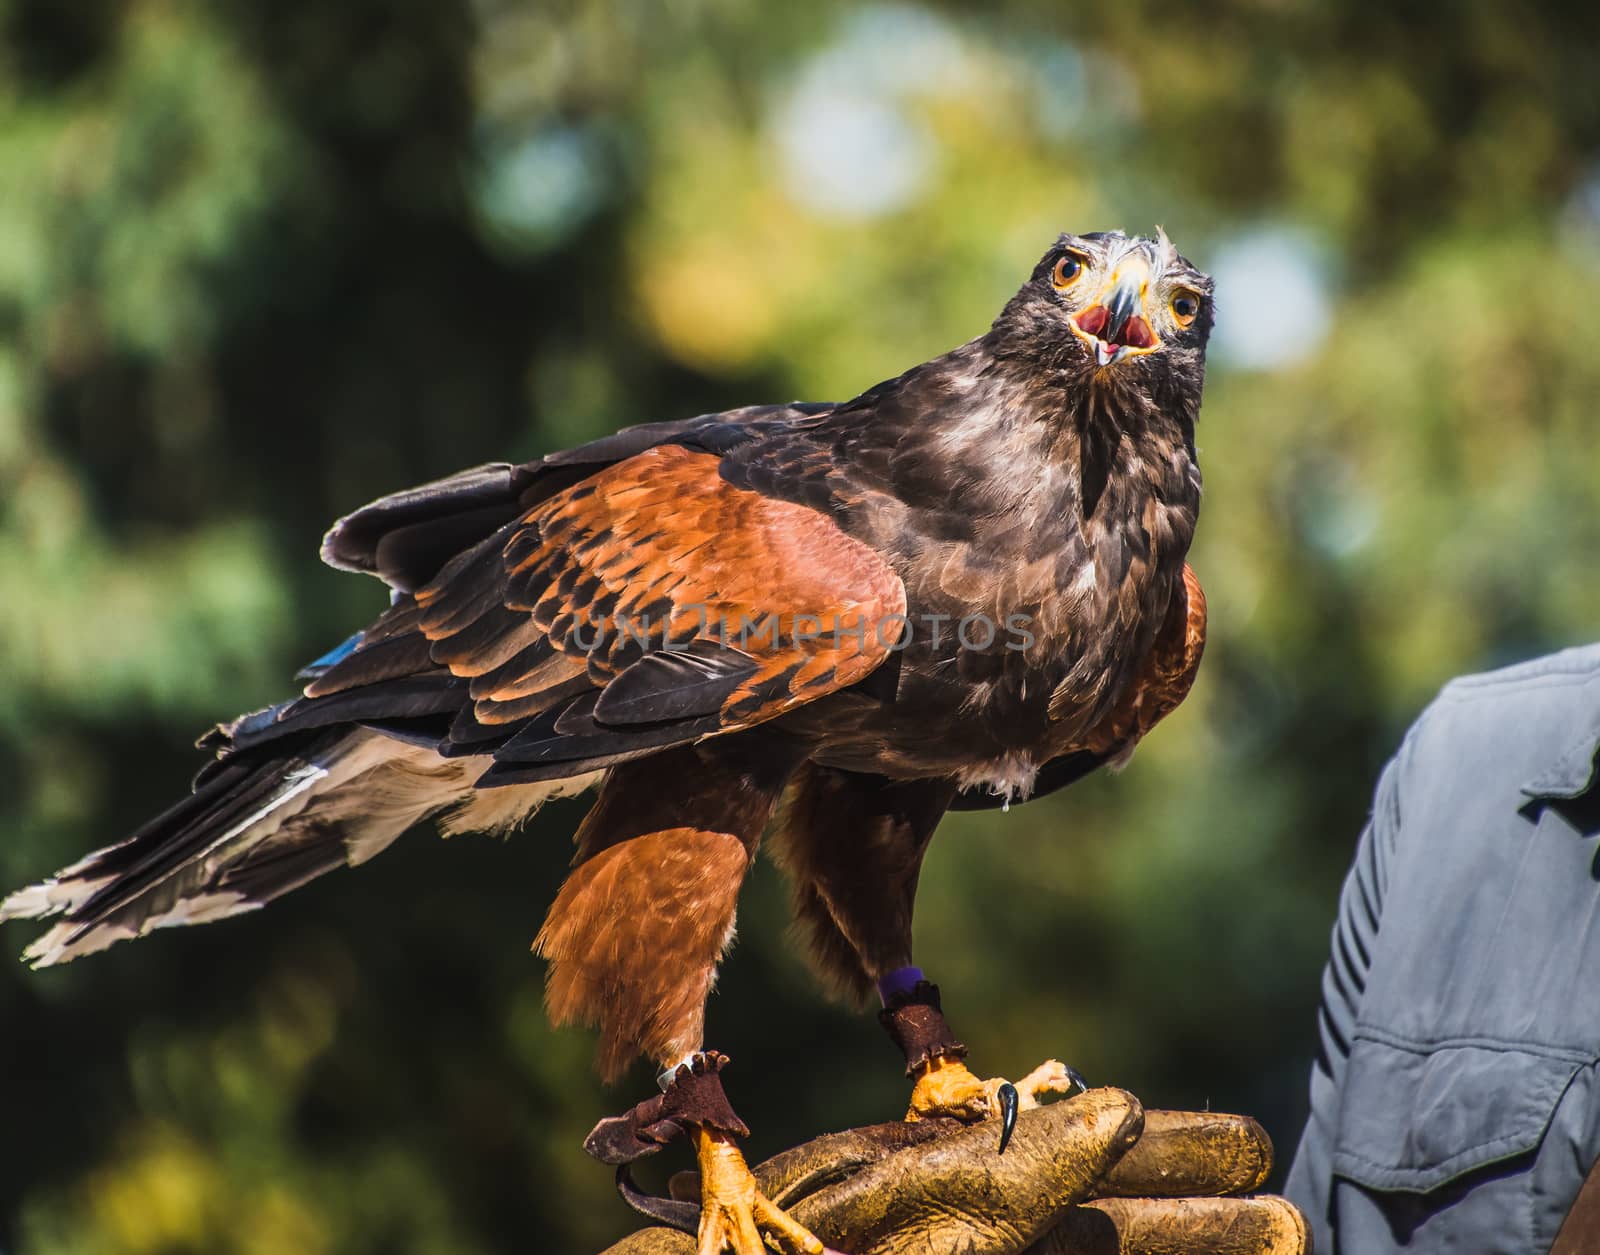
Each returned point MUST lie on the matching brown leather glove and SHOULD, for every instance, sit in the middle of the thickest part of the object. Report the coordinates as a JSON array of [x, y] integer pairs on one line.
[[1093, 1175]]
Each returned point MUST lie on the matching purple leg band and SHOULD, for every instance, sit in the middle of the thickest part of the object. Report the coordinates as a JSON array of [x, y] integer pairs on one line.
[[901, 980]]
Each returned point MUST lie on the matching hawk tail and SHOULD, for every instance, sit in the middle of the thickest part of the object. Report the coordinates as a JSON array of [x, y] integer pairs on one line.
[[254, 828]]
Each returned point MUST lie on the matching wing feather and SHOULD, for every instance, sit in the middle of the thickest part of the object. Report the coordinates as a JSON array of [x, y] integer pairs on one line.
[[651, 603]]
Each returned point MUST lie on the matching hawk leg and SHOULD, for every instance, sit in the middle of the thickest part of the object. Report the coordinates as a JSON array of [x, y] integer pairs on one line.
[[853, 845], [734, 1215], [944, 1085]]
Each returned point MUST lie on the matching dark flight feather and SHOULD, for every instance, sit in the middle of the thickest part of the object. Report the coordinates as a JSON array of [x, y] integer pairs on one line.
[[679, 684]]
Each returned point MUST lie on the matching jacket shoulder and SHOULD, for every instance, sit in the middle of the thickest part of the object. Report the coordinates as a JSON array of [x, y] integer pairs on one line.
[[1533, 724], [1576, 667]]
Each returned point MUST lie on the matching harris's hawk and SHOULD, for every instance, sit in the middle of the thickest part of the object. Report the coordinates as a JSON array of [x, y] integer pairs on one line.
[[965, 586]]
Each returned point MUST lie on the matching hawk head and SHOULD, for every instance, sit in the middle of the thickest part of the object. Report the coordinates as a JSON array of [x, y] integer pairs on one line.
[[1110, 309]]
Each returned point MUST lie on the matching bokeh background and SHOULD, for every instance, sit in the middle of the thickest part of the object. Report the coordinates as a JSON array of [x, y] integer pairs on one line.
[[260, 263]]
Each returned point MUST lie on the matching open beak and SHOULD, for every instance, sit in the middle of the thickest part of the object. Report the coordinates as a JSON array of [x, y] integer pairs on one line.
[[1115, 326]]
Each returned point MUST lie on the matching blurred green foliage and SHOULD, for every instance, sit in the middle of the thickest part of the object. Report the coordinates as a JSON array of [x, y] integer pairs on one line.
[[260, 263]]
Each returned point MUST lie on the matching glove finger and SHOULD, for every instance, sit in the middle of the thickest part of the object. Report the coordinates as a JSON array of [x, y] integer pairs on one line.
[[1191, 1152], [958, 1193], [792, 1174], [1266, 1225]]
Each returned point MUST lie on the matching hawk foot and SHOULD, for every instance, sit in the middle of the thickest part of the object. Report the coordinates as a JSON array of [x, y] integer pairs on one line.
[[735, 1216], [946, 1087]]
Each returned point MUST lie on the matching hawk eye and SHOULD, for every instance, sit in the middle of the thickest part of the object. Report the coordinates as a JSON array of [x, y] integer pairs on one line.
[[1185, 306], [1067, 270]]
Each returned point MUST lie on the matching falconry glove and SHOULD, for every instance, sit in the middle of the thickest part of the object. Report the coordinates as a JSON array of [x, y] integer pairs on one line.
[[1092, 1175]]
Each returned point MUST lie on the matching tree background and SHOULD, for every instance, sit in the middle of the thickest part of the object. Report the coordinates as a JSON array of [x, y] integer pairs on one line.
[[261, 263]]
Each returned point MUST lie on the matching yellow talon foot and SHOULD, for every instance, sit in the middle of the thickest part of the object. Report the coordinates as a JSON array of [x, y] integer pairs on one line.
[[734, 1214], [1050, 1077], [946, 1087]]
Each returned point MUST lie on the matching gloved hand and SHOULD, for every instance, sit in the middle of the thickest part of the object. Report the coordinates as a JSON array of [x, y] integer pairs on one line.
[[1092, 1175]]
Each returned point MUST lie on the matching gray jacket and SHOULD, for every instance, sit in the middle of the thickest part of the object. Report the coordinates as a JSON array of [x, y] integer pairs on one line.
[[1455, 1104]]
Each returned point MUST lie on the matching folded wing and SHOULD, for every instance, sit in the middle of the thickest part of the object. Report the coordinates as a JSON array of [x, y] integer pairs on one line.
[[649, 604]]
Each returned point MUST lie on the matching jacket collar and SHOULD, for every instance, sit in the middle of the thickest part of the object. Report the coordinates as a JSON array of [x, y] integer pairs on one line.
[[1576, 769]]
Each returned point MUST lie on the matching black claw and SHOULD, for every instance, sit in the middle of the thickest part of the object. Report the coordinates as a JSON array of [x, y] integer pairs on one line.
[[1076, 1078], [1007, 1094], [668, 1211]]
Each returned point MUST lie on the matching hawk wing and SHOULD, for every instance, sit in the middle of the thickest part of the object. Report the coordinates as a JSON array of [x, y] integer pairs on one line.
[[406, 537], [648, 604], [550, 620]]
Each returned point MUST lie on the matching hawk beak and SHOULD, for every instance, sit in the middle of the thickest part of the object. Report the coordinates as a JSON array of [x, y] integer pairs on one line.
[[1115, 326]]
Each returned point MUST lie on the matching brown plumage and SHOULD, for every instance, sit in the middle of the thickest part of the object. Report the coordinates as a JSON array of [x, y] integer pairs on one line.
[[1165, 679], [654, 884], [965, 586], [852, 846]]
